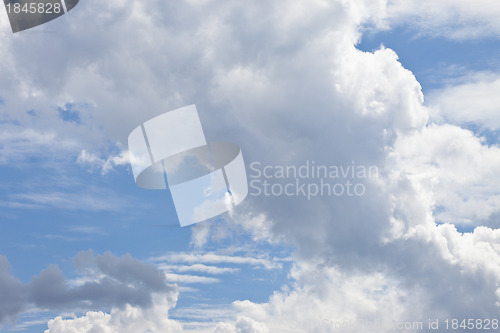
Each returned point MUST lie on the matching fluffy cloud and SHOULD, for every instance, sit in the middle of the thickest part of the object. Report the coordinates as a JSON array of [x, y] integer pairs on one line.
[[242, 325], [107, 281], [323, 298], [288, 85], [456, 172], [129, 319], [326, 298]]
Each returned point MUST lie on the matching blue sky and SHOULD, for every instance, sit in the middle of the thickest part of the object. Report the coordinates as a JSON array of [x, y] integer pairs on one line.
[[34, 238], [309, 83]]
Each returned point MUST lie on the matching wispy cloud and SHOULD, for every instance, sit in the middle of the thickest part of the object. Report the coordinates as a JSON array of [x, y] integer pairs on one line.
[[458, 19], [215, 258], [84, 229], [18, 143], [24, 325], [104, 164], [198, 268], [188, 279], [60, 237], [180, 267], [204, 313], [93, 200]]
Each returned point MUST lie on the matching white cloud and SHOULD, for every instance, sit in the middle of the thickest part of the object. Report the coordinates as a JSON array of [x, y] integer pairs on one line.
[[130, 319], [199, 234], [323, 297], [242, 325], [476, 253], [198, 268], [455, 171], [215, 258], [187, 268], [189, 279], [473, 100], [104, 164]]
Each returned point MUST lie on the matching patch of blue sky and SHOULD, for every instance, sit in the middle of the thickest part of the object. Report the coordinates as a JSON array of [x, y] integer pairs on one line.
[[436, 61], [69, 113]]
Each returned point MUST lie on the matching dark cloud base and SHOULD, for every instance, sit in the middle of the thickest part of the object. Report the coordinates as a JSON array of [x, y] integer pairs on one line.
[[109, 281]]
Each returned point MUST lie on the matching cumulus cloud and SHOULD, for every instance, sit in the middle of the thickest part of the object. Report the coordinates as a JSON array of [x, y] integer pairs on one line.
[[242, 325], [329, 298], [457, 172], [349, 106], [107, 282], [324, 299], [288, 86], [129, 319]]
